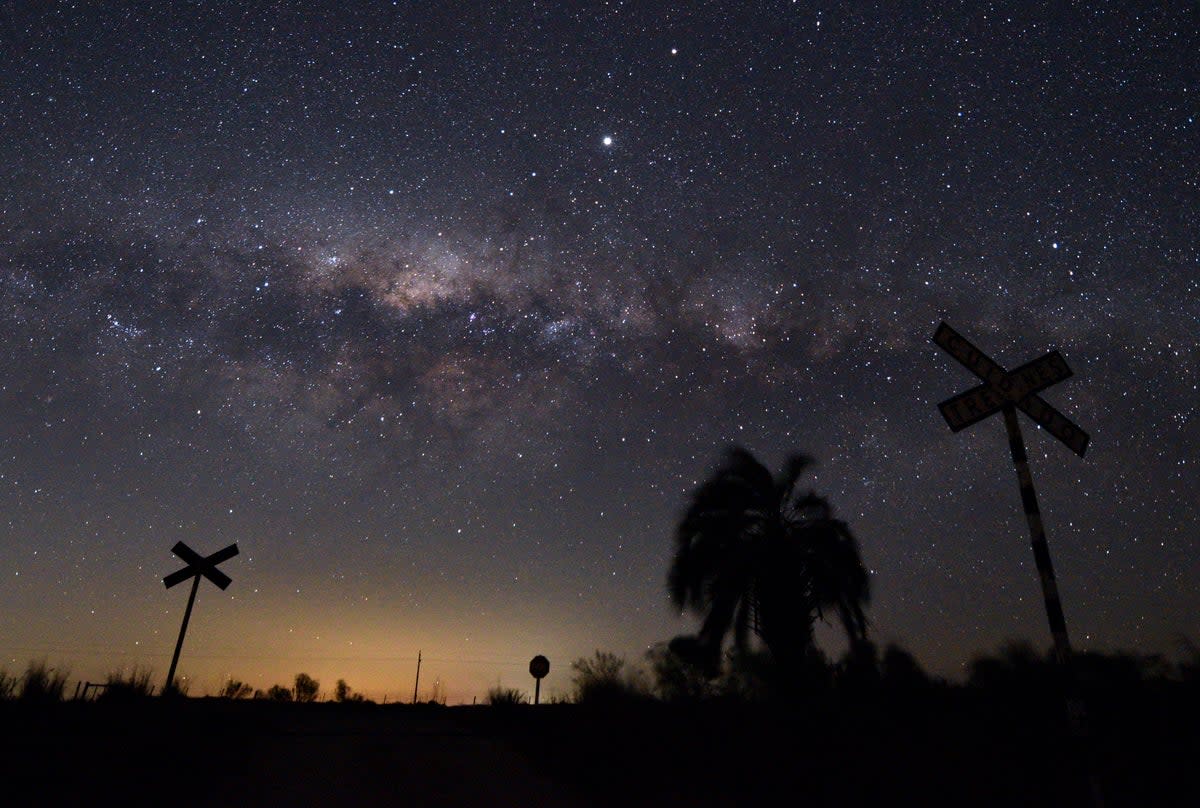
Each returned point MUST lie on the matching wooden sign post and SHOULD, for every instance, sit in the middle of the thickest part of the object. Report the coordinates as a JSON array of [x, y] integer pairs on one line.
[[197, 566], [1006, 392]]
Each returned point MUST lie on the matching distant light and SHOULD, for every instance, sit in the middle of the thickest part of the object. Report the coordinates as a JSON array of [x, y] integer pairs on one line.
[[608, 141]]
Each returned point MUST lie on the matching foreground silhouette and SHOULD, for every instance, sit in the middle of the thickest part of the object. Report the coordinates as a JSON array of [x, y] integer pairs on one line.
[[883, 733], [753, 555]]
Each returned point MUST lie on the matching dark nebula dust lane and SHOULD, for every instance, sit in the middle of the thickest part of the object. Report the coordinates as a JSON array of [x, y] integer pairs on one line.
[[442, 313]]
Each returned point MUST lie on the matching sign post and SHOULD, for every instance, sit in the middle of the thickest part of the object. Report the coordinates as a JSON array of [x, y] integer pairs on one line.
[[1006, 392], [539, 666], [197, 566]]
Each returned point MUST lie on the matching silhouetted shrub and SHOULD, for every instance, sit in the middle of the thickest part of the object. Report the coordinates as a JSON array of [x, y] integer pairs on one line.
[[1189, 664], [8, 684], [677, 678], [176, 689], [235, 689], [753, 676], [899, 670], [1017, 667], [603, 678], [1119, 670], [691, 651], [43, 683], [307, 688], [506, 697], [342, 694], [859, 668], [119, 686], [279, 693]]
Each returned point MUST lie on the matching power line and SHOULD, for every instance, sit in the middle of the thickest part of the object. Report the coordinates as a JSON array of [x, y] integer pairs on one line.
[[104, 652]]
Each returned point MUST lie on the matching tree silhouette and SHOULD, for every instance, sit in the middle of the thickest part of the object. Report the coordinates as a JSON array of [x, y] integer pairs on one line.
[[278, 693], [343, 694], [753, 555], [307, 688]]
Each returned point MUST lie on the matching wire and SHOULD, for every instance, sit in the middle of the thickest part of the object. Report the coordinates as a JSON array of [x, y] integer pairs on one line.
[[103, 652]]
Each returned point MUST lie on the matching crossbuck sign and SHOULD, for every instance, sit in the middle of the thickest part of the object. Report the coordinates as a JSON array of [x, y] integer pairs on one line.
[[1017, 388], [197, 567]]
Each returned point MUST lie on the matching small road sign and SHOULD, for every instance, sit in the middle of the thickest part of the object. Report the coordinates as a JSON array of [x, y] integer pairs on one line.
[[539, 666], [198, 566]]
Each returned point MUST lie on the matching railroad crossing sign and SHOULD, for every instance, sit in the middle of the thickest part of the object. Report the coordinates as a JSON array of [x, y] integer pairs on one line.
[[197, 567], [1006, 392], [1002, 388]]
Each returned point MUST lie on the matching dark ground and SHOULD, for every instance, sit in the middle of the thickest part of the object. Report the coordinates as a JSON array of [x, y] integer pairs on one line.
[[942, 747]]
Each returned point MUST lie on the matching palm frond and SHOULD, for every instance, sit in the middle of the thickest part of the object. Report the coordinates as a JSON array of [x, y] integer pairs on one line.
[[785, 484]]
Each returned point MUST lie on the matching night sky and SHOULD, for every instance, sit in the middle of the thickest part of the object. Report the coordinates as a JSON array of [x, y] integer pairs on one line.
[[442, 311]]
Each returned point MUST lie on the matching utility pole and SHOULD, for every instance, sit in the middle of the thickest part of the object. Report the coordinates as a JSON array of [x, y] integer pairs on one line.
[[418, 681]]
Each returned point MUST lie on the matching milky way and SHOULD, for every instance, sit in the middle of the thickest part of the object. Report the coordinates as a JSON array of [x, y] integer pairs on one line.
[[441, 314]]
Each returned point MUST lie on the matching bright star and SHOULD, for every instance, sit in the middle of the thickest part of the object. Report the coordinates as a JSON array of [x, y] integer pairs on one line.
[[607, 141]]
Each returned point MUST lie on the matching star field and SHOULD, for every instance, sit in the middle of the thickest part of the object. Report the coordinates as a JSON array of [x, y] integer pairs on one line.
[[441, 313]]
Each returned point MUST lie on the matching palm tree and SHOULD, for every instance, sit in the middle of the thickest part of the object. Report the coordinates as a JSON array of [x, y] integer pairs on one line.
[[753, 555]]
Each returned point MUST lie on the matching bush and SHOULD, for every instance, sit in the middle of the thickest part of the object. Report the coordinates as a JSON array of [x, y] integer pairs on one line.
[[176, 689], [750, 676], [506, 697], [343, 695], [677, 678], [901, 671], [1189, 664], [235, 689], [1017, 667], [307, 688], [858, 669], [121, 687], [603, 679], [8, 684], [279, 693], [42, 683]]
